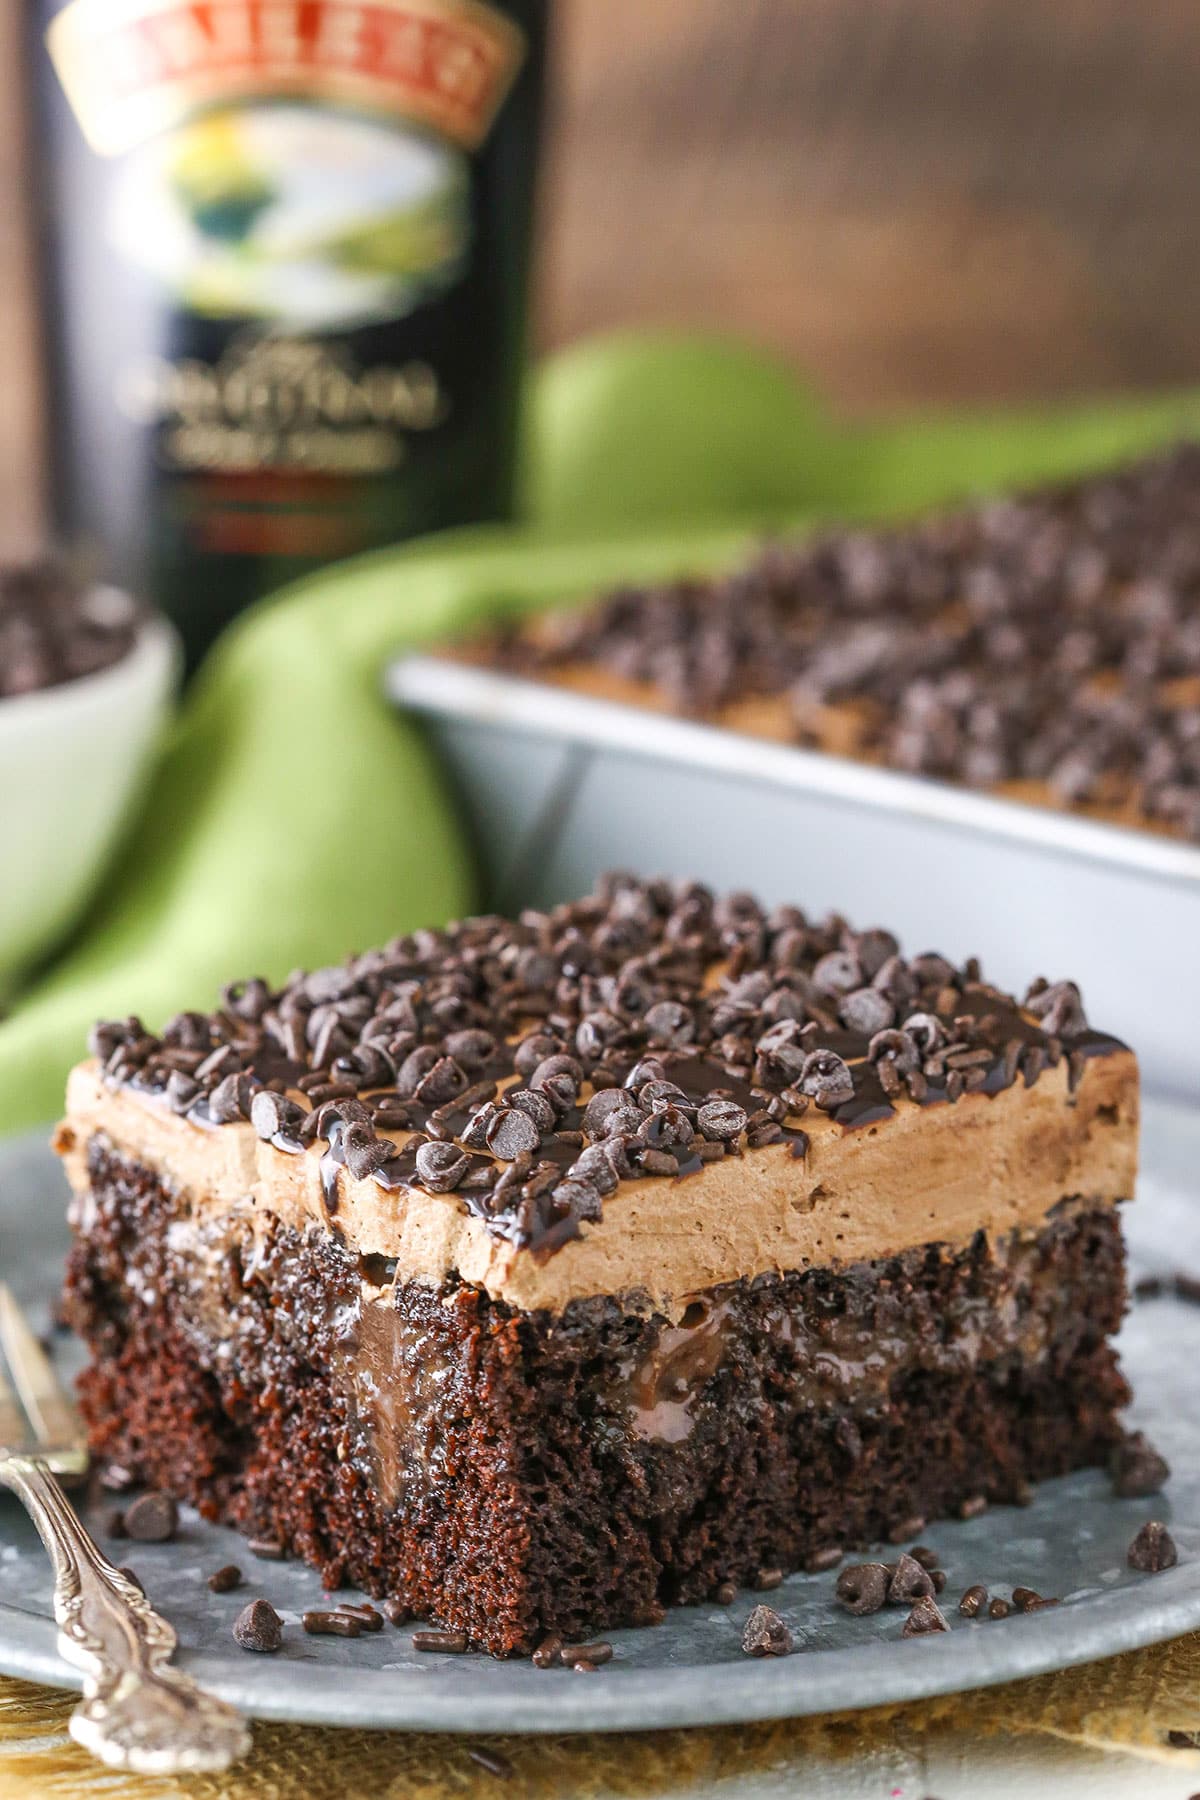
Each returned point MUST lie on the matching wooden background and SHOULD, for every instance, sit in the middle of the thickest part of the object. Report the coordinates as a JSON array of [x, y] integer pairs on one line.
[[919, 201]]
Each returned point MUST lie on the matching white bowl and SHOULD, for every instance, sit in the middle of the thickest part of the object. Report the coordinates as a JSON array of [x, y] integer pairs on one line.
[[72, 759]]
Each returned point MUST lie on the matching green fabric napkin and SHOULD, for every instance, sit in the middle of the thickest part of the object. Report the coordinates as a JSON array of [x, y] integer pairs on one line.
[[294, 817]]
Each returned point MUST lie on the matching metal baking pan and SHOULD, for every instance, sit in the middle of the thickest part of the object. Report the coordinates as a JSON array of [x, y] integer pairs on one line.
[[558, 786]]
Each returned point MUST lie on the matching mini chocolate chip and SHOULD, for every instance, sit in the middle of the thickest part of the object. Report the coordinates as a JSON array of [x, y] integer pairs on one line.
[[725, 1594], [768, 1578], [909, 1582], [973, 1506], [922, 1554], [553, 1066], [826, 1078], [601, 1106], [971, 1602], [440, 1167], [533, 1050], [151, 1519], [331, 1624], [1059, 1008], [596, 1654], [866, 1010], [998, 1609], [396, 1612], [656, 1162], [548, 1654], [446, 1080], [766, 1634], [669, 1024], [453, 1643], [1136, 1468], [274, 1114], [471, 1049], [561, 1091], [413, 1069], [668, 1129], [511, 1133], [863, 1587], [534, 1104], [760, 1135], [259, 1627], [1153, 1549], [926, 1616], [368, 1618], [837, 973], [224, 1580], [365, 1153]]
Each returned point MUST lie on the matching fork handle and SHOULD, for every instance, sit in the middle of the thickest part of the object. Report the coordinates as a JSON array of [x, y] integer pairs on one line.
[[138, 1712]]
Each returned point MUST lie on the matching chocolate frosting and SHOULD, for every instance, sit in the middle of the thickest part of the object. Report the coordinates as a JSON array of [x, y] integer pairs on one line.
[[531, 1067]]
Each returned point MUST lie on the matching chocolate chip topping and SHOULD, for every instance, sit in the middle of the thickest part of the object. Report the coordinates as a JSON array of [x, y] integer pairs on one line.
[[863, 1587], [926, 1616], [973, 1600], [54, 630], [1053, 638], [1153, 1549], [910, 1581], [151, 1519], [530, 1066], [259, 1627], [766, 1634]]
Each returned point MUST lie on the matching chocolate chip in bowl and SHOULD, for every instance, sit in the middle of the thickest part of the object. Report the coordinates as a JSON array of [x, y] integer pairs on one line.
[[54, 630], [86, 678]]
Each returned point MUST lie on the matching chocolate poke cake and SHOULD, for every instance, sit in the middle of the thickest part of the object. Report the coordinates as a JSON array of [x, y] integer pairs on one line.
[[540, 1273], [1046, 647]]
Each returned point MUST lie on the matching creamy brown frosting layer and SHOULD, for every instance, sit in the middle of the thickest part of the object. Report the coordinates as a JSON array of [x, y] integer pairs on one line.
[[833, 1195], [647, 1032]]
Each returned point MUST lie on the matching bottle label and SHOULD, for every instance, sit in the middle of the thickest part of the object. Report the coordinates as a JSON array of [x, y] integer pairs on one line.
[[134, 68], [291, 178]]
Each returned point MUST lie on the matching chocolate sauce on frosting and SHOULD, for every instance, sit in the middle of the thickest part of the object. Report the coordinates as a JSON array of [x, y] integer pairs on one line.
[[530, 1067]]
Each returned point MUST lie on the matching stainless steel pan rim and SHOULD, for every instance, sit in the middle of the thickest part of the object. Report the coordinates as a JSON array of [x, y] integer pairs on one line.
[[437, 685]]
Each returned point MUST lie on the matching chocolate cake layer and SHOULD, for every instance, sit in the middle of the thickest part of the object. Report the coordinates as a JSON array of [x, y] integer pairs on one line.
[[511, 1472], [1046, 647]]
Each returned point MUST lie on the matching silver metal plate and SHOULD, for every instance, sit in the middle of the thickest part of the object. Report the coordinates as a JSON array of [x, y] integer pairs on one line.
[[1071, 1542], [558, 786]]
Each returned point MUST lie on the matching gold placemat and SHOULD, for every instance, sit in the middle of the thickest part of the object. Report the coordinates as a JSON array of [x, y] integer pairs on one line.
[[1146, 1703]]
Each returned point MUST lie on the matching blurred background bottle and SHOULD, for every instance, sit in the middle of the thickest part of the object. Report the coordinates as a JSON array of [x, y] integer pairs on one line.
[[285, 249]]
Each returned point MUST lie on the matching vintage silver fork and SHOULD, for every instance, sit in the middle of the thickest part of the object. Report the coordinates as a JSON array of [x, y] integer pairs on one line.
[[138, 1711]]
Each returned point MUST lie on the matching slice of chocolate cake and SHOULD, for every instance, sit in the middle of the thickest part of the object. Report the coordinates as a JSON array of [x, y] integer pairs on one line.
[[540, 1273]]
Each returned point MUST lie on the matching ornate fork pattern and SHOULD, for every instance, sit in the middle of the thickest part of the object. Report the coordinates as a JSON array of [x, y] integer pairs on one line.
[[138, 1712]]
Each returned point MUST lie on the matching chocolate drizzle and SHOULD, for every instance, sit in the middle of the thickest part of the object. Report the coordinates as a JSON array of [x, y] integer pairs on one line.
[[528, 1068]]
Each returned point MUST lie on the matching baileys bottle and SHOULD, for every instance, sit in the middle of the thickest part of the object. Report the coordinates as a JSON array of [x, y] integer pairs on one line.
[[285, 251]]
